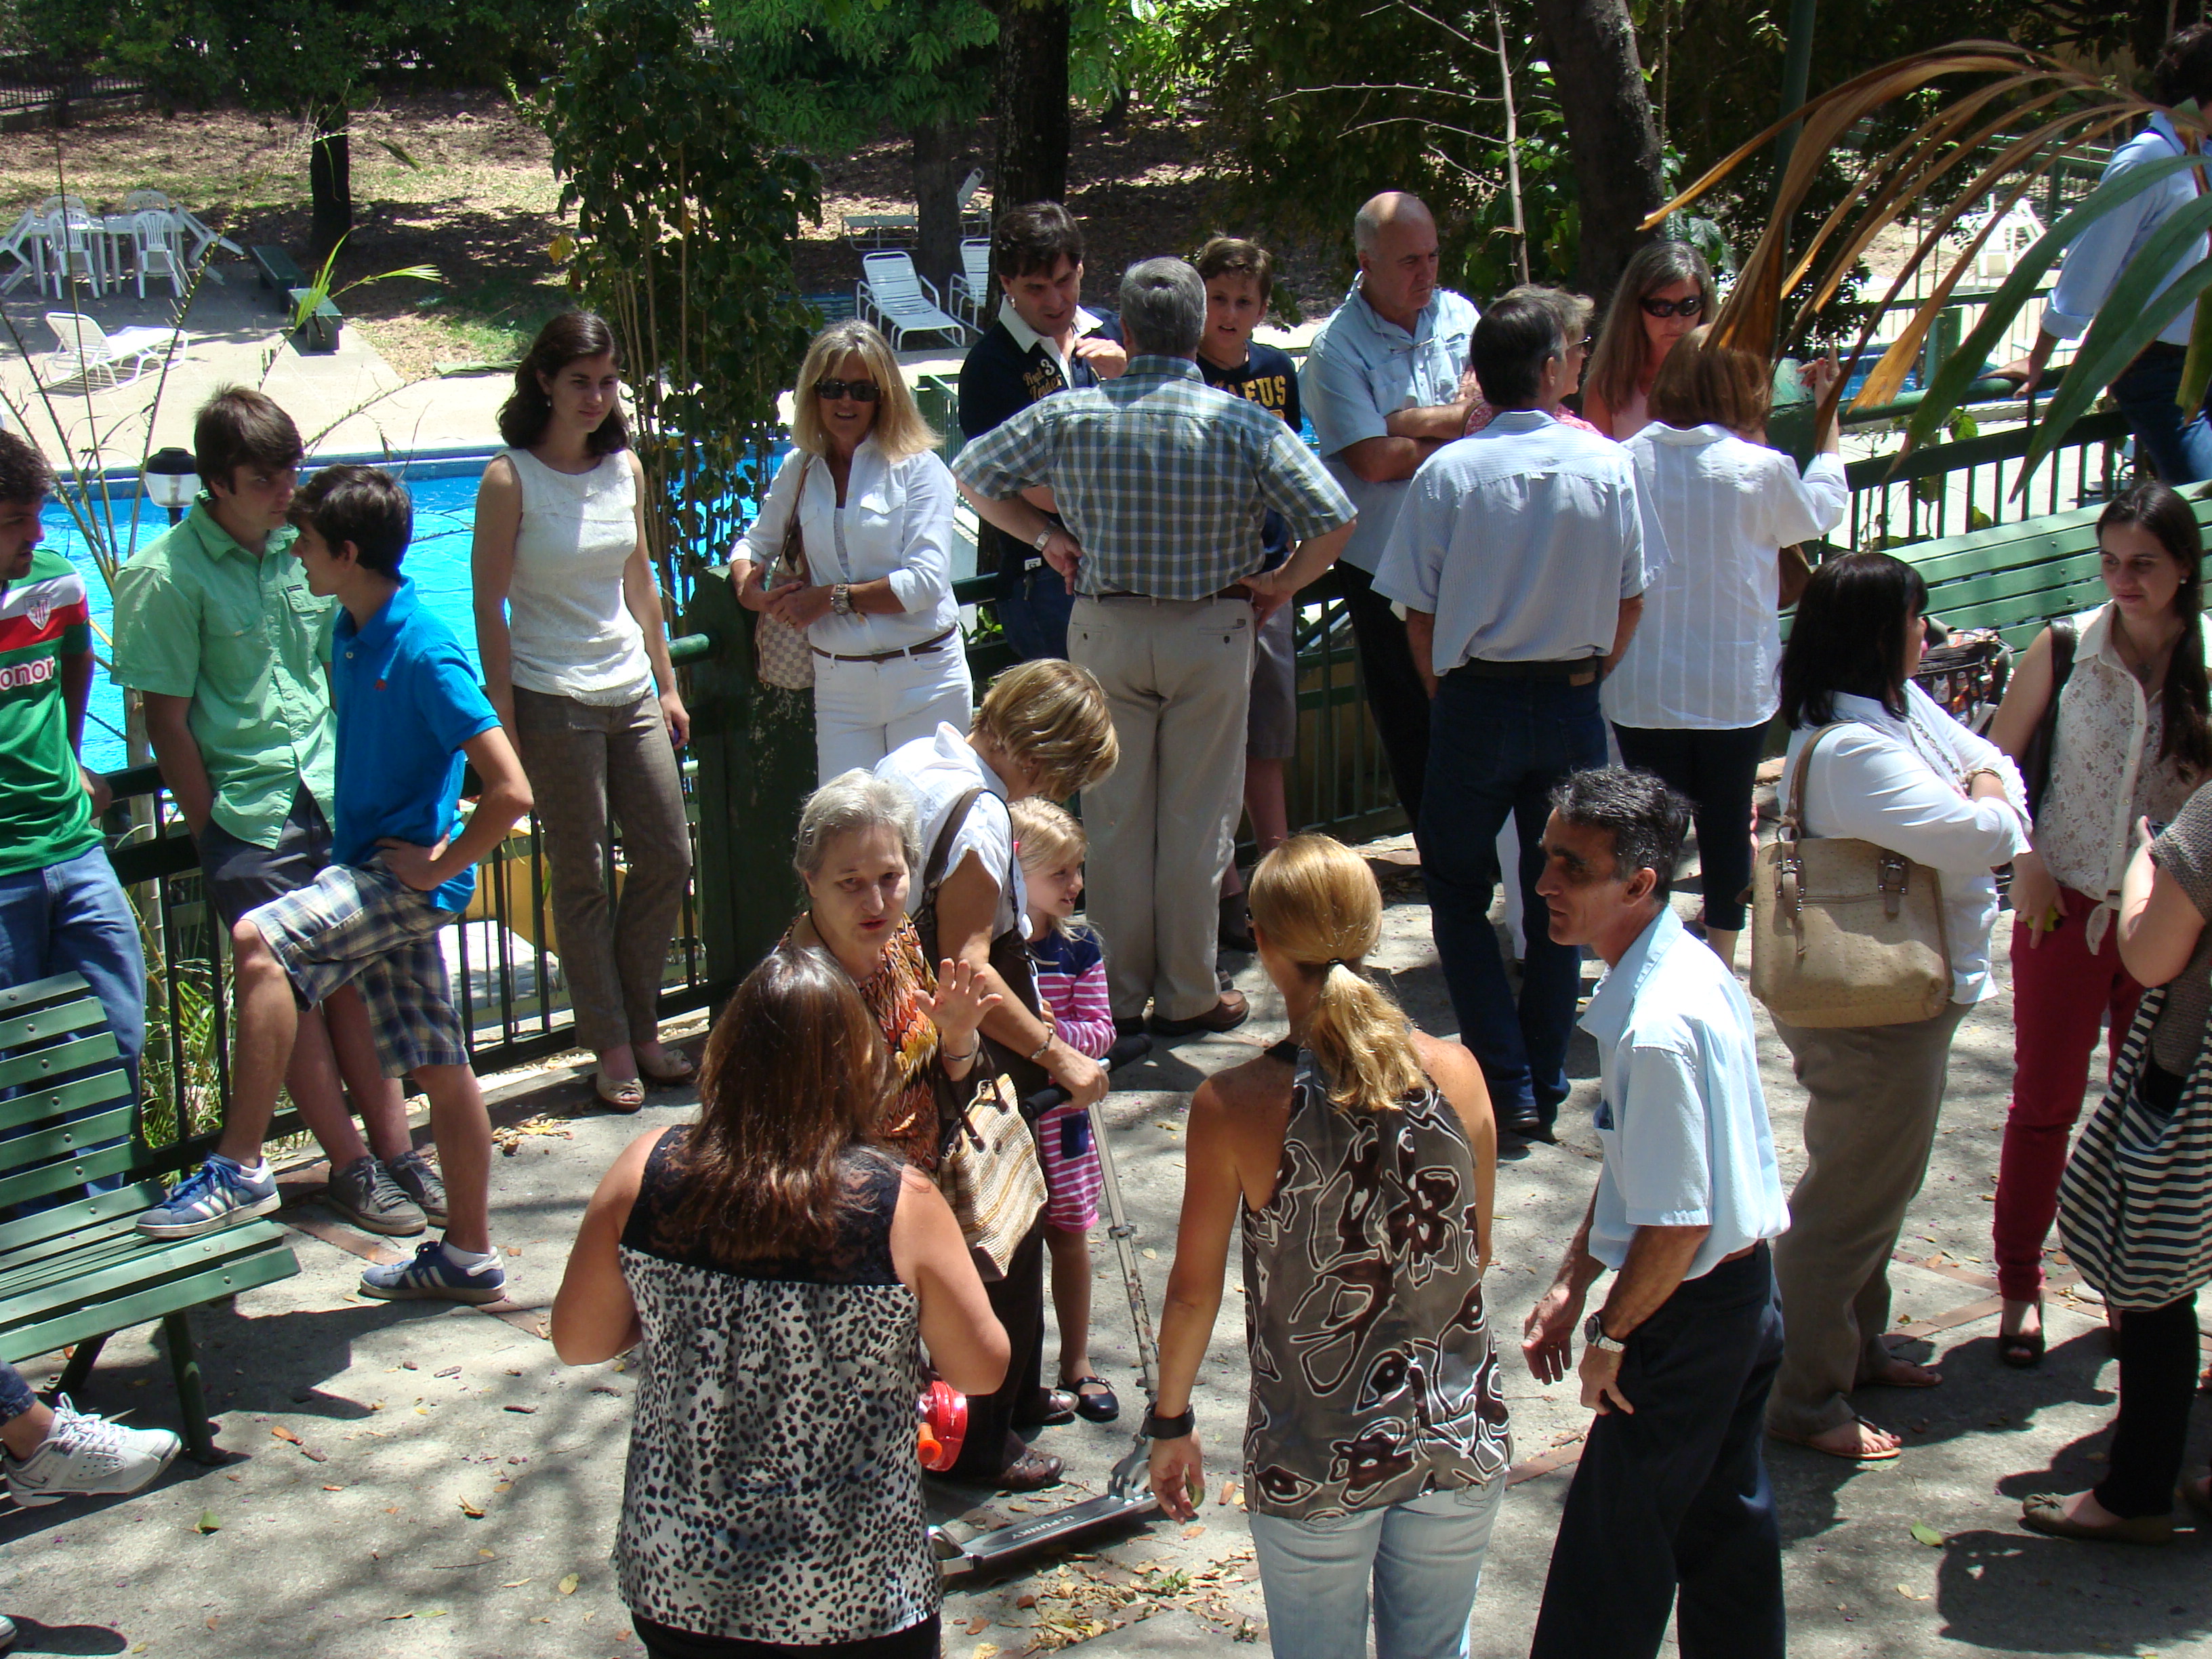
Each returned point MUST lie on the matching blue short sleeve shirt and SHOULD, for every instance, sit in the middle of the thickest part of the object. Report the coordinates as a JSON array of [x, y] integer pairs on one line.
[[406, 702]]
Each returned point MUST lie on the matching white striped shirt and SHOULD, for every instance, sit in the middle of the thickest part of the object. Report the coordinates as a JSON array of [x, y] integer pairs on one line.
[[1706, 654]]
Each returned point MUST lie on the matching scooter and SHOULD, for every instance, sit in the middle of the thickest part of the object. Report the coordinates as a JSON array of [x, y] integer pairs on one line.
[[1128, 1495]]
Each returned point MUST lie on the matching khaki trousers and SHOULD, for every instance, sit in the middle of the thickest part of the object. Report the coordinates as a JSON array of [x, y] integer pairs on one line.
[[1178, 678], [1872, 1094]]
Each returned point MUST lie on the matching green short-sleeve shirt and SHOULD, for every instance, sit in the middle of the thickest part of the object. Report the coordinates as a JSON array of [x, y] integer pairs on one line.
[[197, 615]]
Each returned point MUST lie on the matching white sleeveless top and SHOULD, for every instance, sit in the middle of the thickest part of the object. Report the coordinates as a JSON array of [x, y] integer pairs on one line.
[[571, 633]]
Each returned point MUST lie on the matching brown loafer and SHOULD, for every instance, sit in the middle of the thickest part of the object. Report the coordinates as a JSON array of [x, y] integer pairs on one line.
[[1048, 1408], [1226, 1014], [1033, 1471], [2046, 1513]]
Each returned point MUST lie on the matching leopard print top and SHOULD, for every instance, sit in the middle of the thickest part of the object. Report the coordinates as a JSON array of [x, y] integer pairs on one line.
[[1373, 1380], [773, 1492]]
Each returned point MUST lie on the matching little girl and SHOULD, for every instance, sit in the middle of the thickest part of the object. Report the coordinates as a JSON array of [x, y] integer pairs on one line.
[[1071, 976]]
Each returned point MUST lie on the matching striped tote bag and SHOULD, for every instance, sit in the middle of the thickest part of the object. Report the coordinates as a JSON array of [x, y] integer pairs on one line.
[[2135, 1205]]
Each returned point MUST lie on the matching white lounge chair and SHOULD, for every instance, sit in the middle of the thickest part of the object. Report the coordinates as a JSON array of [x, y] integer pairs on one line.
[[84, 351], [159, 243], [971, 287], [900, 300]]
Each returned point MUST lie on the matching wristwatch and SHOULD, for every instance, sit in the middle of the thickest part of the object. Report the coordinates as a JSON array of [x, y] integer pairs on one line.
[[841, 599], [1170, 1428], [1042, 537], [1594, 1334]]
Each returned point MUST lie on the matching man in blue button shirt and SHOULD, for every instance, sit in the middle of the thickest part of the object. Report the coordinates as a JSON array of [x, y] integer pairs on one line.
[[409, 713], [1670, 1507]]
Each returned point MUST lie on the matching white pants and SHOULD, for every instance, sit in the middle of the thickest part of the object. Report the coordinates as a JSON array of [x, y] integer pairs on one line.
[[864, 710]]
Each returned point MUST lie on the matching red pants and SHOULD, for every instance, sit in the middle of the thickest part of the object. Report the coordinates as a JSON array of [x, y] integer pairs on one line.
[[2062, 994]]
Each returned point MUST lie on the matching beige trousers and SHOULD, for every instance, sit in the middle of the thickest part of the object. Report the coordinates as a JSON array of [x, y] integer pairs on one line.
[[1178, 676], [1872, 1094]]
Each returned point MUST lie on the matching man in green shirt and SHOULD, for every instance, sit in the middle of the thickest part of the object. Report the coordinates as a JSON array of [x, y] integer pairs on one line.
[[61, 908], [215, 628]]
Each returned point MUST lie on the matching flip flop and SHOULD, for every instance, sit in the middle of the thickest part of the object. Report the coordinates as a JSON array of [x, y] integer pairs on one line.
[[683, 1071], [1806, 1441], [623, 1094], [1100, 1407]]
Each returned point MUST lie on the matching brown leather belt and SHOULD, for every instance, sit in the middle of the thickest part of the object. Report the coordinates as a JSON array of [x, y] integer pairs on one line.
[[927, 646], [1575, 670], [1234, 591]]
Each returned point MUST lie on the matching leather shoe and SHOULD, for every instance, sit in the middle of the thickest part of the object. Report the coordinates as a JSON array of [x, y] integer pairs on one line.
[[2046, 1513], [1235, 932], [1528, 1126], [1032, 1471], [1226, 1014], [1048, 1408]]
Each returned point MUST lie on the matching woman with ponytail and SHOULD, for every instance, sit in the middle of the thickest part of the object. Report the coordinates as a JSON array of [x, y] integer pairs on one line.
[[2130, 739], [1362, 1158]]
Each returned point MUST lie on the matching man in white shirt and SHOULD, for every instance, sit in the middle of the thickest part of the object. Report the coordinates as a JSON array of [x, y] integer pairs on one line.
[[1521, 554], [2181, 448], [1381, 386], [1670, 1508]]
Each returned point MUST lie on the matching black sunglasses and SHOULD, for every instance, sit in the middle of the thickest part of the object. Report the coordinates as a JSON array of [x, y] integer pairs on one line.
[[1689, 307], [860, 391]]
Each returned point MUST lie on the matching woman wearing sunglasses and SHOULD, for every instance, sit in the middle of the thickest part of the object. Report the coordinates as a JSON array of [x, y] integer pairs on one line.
[[1666, 291], [875, 515]]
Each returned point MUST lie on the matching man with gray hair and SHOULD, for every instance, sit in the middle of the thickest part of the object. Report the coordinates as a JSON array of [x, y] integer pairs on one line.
[[1162, 483]]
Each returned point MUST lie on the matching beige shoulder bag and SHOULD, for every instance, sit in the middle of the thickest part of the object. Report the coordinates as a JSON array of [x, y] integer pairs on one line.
[[1843, 932]]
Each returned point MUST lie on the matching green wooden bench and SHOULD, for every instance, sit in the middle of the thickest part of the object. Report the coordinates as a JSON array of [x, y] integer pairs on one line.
[[80, 1271], [277, 271], [318, 331]]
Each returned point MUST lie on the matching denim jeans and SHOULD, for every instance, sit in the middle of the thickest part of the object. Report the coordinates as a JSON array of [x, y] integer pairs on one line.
[[16, 1395], [2180, 449], [1498, 747], [1424, 1561], [71, 917], [1033, 608]]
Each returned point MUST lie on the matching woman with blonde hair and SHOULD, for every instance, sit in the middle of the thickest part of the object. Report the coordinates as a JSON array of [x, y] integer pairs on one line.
[[875, 518], [1666, 291], [1362, 1157]]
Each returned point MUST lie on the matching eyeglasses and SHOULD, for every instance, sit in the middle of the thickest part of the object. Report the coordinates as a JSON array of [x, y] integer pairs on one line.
[[1689, 307], [860, 391]]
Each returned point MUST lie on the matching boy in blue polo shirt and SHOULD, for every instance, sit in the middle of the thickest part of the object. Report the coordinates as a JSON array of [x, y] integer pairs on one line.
[[409, 712]]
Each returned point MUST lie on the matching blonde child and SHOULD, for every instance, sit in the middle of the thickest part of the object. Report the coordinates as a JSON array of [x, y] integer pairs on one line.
[[1071, 976]]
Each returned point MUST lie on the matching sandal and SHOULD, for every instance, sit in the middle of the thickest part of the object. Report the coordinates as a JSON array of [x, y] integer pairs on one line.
[[1033, 1471], [2046, 1513], [1859, 1456], [623, 1094], [1099, 1407], [682, 1070]]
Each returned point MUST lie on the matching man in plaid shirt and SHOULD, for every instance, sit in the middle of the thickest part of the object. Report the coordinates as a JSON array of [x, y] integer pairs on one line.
[[1163, 483]]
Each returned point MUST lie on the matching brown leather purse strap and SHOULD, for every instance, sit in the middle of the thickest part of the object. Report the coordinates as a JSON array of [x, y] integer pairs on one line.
[[933, 873], [1793, 810], [792, 554]]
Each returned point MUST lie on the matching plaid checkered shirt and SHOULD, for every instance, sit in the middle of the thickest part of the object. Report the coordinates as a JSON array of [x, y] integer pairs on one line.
[[1164, 480]]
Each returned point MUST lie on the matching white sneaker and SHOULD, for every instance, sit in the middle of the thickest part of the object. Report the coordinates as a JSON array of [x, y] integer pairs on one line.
[[84, 1454]]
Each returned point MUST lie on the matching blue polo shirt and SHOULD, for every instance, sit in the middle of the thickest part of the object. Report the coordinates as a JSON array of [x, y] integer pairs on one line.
[[405, 701]]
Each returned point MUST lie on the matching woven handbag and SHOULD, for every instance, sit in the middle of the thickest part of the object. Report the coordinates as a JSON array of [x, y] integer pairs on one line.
[[2135, 1205], [781, 655], [988, 1171], [1843, 932]]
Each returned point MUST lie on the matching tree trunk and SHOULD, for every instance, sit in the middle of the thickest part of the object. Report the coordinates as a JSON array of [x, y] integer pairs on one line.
[[940, 162], [1033, 127], [330, 181], [1611, 138]]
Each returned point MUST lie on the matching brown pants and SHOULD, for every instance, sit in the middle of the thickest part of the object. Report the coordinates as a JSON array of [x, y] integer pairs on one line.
[[591, 767], [1872, 1094]]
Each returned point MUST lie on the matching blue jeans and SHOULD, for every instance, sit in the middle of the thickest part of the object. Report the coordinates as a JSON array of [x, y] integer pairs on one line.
[[1423, 1559], [1498, 747], [1034, 605], [2180, 449], [16, 1395], [71, 917]]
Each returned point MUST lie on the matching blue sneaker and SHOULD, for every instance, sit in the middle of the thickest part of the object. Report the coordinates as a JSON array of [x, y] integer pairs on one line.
[[218, 1195], [435, 1276]]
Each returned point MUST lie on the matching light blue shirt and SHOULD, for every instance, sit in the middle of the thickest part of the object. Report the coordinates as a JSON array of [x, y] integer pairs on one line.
[[1682, 1118], [1360, 371], [2100, 253], [1521, 542]]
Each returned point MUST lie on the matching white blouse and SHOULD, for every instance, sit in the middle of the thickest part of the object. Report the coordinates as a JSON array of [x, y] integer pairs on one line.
[[896, 522], [1900, 784], [568, 626], [1706, 654]]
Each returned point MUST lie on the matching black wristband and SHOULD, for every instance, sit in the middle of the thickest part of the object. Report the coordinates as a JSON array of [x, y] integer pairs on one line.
[[1170, 1428]]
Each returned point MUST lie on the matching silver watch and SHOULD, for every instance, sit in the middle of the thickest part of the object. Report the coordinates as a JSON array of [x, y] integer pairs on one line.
[[841, 601], [1042, 537], [1594, 1334]]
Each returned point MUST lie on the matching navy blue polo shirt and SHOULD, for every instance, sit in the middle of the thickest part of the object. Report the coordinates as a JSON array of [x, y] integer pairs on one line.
[[1269, 378], [406, 700]]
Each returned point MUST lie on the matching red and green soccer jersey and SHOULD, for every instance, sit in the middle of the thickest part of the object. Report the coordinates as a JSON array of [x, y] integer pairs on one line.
[[45, 814]]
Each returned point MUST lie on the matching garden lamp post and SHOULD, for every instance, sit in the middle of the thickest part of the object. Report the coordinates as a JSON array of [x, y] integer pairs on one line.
[[171, 478]]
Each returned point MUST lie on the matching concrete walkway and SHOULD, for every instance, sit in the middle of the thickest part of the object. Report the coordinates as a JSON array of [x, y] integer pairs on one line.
[[411, 1480]]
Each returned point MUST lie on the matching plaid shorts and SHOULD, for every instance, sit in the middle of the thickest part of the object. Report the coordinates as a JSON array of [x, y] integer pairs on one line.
[[361, 924]]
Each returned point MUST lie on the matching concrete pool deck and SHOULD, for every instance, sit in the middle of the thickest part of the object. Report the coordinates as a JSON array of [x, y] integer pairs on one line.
[[365, 1436]]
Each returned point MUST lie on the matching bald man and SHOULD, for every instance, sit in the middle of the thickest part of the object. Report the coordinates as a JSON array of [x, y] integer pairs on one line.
[[1381, 387]]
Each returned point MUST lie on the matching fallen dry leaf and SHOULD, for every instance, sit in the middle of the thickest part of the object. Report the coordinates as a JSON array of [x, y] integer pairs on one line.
[[209, 1521], [569, 1584], [283, 1433], [1910, 1594], [474, 1511], [517, 1583], [524, 1410], [450, 1371], [1193, 1529], [977, 1625], [213, 1619]]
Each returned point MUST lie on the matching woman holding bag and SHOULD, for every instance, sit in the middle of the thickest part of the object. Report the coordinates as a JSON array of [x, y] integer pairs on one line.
[[2159, 1106], [871, 507], [2127, 737], [1898, 772]]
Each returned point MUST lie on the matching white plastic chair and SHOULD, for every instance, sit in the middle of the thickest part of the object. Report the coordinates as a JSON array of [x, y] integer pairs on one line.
[[159, 244], [971, 286], [148, 201], [24, 242], [973, 219], [85, 350], [73, 240], [901, 299]]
